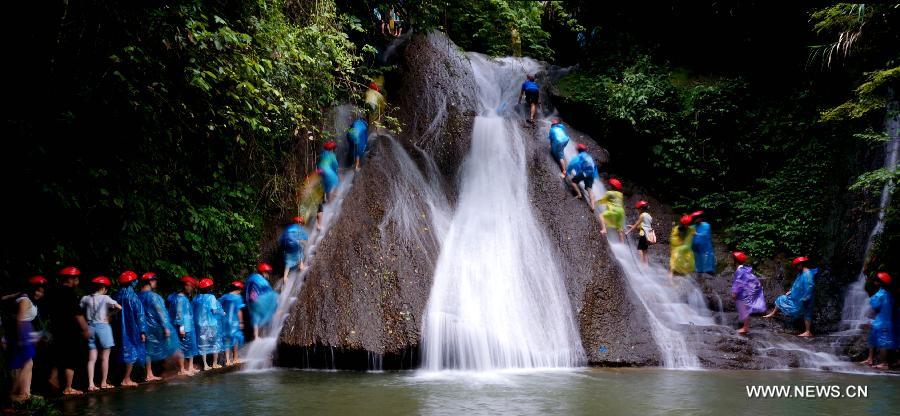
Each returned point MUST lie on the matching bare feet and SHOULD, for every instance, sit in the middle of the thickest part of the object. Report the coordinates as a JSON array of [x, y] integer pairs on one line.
[[562, 175], [72, 392], [19, 398], [228, 363], [237, 361], [93, 388], [129, 383], [742, 331], [206, 368], [881, 366], [153, 378], [806, 334], [217, 365], [867, 361], [107, 386], [54, 384], [769, 315]]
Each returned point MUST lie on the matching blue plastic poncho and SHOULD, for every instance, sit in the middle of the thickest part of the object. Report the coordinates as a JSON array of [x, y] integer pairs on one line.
[[261, 300], [704, 257], [558, 141], [232, 334], [182, 315], [798, 304], [748, 291], [156, 320], [328, 165], [290, 242], [358, 136], [582, 164], [133, 324], [881, 335], [207, 313]]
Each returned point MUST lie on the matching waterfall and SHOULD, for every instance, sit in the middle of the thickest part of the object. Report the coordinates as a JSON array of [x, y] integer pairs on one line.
[[498, 299], [855, 312]]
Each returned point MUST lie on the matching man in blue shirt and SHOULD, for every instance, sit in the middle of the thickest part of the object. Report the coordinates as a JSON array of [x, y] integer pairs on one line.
[[532, 93]]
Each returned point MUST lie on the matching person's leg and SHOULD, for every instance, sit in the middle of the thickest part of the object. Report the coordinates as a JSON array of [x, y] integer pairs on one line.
[[871, 359], [228, 357], [190, 368], [807, 323], [746, 328], [53, 379], [205, 365], [772, 314], [149, 367], [591, 196], [357, 163], [104, 369], [215, 363], [70, 376], [126, 380], [235, 360], [882, 358], [25, 375], [92, 361], [533, 110], [643, 255]]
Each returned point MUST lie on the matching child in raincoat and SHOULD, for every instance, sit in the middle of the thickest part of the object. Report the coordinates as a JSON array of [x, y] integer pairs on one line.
[[161, 341], [582, 169], [613, 215], [133, 326], [358, 138], [291, 242], [704, 257], [207, 315], [681, 259], [182, 315], [881, 335], [233, 324], [558, 142], [797, 302], [262, 301], [746, 291]]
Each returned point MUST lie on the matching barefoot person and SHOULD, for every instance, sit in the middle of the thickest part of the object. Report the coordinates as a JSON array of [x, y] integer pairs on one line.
[[261, 299], [646, 235], [96, 309], [532, 94], [358, 139], [881, 334], [704, 256], [583, 170], [161, 341], [182, 316], [69, 329], [132, 324], [291, 241], [233, 326], [613, 215], [797, 302], [746, 291], [207, 315], [681, 257], [558, 142], [23, 340]]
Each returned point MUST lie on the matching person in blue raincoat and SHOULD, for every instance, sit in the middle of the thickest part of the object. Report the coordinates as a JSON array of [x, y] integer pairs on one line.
[[161, 341], [261, 299], [291, 242], [358, 138], [558, 141], [233, 324], [704, 257], [132, 324], [797, 302], [182, 315], [881, 334], [583, 169], [208, 314], [327, 168]]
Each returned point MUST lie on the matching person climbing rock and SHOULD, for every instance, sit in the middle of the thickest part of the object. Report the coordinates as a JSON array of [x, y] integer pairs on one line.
[[646, 234], [132, 323], [161, 342], [613, 216], [233, 324], [261, 299], [97, 308], [328, 171], [681, 258], [358, 139], [881, 334], [182, 316], [583, 170], [69, 329], [532, 94], [558, 141], [797, 302], [22, 339], [291, 241], [704, 257], [375, 102], [746, 291], [207, 316]]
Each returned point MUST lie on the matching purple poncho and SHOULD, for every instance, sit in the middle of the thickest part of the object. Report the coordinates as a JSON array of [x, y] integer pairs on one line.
[[748, 292]]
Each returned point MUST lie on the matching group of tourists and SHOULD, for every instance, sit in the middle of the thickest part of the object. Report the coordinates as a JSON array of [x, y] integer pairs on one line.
[[135, 321], [391, 23]]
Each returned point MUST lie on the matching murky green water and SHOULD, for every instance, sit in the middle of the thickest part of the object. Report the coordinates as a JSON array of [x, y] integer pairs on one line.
[[581, 392]]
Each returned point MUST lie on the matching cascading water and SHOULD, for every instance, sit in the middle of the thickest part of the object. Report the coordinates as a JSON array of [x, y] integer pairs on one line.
[[498, 299]]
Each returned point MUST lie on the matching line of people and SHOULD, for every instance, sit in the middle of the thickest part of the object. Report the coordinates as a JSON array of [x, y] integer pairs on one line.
[[192, 322]]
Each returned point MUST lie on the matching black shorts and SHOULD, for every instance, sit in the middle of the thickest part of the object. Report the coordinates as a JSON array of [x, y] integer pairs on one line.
[[531, 96], [588, 180], [643, 244]]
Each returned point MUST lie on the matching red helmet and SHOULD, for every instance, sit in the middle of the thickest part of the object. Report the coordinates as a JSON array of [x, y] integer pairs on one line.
[[101, 280], [319, 171], [188, 280], [41, 280], [883, 276], [581, 147], [554, 121], [615, 183], [697, 213], [70, 271], [799, 260], [330, 145], [263, 267], [739, 257], [640, 204], [685, 219], [148, 276], [127, 276], [298, 219], [238, 284], [374, 86], [205, 282]]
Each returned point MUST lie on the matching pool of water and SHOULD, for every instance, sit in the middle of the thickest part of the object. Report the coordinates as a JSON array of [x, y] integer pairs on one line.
[[583, 391]]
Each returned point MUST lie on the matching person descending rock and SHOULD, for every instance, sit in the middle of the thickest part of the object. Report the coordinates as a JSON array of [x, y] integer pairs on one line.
[[797, 302], [291, 242], [375, 102], [182, 316], [558, 141], [613, 216], [328, 171], [261, 299], [681, 260], [532, 93], [207, 316], [746, 291], [358, 139], [881, 334], [704, 257], [582, 169], [161, 341], [96, 308], [23, 339], [69, 329], [233, 325], [646, 235], [133, 326]]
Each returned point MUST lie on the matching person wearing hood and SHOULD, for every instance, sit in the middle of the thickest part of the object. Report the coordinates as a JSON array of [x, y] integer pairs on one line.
[[583, 170], [132, 324], [746, 291], [207, 316], [161, 341], [182, 315], [558, 142], [375, 102], [613, 215], [358, 139], [262, 301], [797, 302], [233, 324], [881, 334], [291, 241], [704, 256], [327, 168], [681, 258]]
